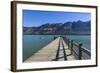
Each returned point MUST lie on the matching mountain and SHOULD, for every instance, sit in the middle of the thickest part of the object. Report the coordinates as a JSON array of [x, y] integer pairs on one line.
[[78, 27]]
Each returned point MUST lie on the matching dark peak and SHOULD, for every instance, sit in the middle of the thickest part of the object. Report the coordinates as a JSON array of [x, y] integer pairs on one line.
[[79, 21], [67, 23], [45, 24]]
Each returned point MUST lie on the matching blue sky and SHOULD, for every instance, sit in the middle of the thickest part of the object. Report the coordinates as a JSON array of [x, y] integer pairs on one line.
[[37, 18]]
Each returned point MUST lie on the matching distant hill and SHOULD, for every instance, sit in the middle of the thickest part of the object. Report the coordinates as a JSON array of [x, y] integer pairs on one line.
[[78, 27]]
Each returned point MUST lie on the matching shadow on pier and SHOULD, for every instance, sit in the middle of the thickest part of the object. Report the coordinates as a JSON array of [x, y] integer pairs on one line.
[[76, 50]]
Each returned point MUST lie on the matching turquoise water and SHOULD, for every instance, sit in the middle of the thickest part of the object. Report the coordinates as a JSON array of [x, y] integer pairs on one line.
[[85, 40], [33, 43]]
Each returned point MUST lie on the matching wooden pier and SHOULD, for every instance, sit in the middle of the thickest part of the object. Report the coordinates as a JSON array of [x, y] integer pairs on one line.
[[60, 49]]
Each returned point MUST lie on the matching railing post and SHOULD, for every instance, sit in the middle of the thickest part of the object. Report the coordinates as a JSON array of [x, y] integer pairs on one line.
[[68, 43], [80, 51], [71, 46]]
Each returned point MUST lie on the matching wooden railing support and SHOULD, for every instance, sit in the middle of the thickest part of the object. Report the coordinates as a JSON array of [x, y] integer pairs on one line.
[[80, 51], [68, 43], [71, 47], [80, 48]]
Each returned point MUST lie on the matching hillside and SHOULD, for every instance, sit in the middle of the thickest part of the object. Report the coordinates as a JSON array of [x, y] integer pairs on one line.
[[78, 27]]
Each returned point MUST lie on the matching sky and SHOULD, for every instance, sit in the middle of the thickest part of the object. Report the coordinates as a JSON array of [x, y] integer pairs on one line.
[[37, 18]]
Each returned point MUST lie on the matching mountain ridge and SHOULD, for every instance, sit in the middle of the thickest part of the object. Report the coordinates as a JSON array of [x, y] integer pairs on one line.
[[75, 27]]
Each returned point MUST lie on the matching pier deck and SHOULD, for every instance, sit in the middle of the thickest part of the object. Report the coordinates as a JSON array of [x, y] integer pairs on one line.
[[57, 50]]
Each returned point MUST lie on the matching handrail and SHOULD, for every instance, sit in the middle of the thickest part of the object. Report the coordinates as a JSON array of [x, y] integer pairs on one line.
[[75, 44], [86, 50], [79, 46]]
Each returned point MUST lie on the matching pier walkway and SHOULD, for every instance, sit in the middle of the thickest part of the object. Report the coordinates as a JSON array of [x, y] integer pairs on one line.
[[61, 49], [57, 50]]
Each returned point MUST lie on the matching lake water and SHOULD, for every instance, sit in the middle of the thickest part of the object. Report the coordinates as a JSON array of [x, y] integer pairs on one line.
[[33, 43], [85, 40]]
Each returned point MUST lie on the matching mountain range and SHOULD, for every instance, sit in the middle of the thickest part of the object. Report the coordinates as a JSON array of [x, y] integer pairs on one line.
[[75, 27]]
